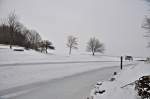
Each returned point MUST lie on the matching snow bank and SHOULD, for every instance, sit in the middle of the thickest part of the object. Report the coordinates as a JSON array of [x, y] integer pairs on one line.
[[117, 89]]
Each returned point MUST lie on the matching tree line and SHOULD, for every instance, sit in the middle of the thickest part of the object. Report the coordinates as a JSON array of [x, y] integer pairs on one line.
[[13, 32]]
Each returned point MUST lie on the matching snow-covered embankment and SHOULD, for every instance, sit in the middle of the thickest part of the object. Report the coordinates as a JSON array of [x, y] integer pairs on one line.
[[123, 85]]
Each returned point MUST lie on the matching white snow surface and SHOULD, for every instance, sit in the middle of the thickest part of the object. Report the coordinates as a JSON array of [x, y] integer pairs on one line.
[[126, 76], [25, 67], [8, 56]]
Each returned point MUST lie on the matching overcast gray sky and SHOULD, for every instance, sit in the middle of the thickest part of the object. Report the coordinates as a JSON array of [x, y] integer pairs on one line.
[[117, 23]]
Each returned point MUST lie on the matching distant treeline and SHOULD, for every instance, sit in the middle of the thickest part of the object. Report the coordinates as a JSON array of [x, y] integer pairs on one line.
[[18, 37], [13, 32]]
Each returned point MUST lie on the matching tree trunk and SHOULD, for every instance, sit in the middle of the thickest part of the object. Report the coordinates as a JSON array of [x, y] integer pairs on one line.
[[46, 49], [93, 53], [10, 46], [10, 43], [11, 37], [70, 51]]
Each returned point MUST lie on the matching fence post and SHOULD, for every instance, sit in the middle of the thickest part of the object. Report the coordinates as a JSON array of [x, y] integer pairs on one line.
[[121, 60]]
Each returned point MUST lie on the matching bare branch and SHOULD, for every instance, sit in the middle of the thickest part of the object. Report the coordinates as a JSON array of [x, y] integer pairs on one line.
[[72, 43], [94, 45]]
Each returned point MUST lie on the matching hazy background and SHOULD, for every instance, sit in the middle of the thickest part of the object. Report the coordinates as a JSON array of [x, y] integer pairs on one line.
[[117, 23]]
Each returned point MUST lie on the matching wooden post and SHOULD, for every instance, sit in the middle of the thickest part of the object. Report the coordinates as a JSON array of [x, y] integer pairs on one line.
[[121, 59]]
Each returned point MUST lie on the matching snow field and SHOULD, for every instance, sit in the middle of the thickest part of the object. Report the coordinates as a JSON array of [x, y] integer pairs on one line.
[[21, 68]]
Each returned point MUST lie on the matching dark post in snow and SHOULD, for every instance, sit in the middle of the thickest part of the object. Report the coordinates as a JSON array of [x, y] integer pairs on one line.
[[121, 59]]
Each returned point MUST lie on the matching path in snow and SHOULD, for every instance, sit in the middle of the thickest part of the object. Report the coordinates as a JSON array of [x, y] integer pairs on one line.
[[72, 87]]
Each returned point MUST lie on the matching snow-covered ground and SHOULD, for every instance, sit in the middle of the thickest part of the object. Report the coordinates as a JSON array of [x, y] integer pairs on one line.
[[19, 68], [8, 56], [24, 67], [119, 88], [76, 86]]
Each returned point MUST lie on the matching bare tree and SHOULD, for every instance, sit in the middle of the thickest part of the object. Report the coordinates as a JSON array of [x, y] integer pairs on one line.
[[28, 37], [94, 45], [46, 44], [34, 38], [13, 25], [72, 43], [146, 25]]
